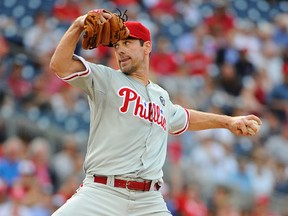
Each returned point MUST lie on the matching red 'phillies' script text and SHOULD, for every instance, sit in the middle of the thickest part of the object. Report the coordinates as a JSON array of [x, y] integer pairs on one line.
[[148, 111]]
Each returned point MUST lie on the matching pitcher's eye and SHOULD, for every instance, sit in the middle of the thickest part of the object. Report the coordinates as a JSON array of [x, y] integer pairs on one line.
[[127, 43]]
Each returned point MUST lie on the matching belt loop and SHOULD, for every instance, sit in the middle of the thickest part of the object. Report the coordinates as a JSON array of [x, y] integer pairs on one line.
[[111, 180], [153, 182], [156, 183]]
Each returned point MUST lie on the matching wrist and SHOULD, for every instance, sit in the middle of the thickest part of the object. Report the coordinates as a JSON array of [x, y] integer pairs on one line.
[[228, 122], [79, 22]]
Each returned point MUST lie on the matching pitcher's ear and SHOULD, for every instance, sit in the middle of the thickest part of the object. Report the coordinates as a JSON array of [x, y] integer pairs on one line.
[[148, 47]]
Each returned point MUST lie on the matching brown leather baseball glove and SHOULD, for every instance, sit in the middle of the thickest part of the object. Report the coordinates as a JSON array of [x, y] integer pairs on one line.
[[108, 33]]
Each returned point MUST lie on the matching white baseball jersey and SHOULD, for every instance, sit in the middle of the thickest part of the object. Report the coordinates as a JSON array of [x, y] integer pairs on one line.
[[129, 123]]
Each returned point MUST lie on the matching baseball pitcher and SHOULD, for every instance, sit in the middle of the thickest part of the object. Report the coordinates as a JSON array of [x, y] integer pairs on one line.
[[130, 117]]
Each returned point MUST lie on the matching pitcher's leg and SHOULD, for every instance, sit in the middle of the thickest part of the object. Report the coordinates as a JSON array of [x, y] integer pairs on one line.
[[147, 204], [98, 200]]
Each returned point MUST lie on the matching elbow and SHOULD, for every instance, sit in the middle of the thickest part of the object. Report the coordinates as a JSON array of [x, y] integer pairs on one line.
[[56, 67], [53, 66]]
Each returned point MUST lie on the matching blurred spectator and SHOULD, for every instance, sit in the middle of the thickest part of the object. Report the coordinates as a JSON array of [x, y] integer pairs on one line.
[[280, 35], [221, 203], [271, 125], [9, 27], [45, 85], [163, 59], [41, 38], [33, 192], [164, 64], [40, 155], [43, 78], [229, 87], [66, 11], [3, 132], [64, 102], [18, 85], [240, 179], [67, 189], [226, 51], [87, 5], [169, 199], [277, 145], [163, 8], [14, 205], [133, 11], [67, 157], [262, 207], [205, 159], [4, 48], [197, 63], [221, 21], [243, 66], [3, 191], [190, 202], [4, 52], [277, 99], [281, 181], [190, 12], [270, 55], [175, 152], [245, 37], [227, 164], [125, 3], [262, 86], [187, 42], [229, 80], [13, 150], [249, 99], [260, 173]]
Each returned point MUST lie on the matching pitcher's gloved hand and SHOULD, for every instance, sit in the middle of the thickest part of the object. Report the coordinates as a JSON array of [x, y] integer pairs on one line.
[[102, 27]]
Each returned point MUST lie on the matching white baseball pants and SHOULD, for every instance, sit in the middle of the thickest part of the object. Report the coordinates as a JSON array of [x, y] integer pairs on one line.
[[94, 199]]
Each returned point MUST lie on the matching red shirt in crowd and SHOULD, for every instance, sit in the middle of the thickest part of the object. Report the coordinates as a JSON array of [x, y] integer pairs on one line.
[[220, 22], [192, 206], [164, 63], [67, 12], [198, 63]]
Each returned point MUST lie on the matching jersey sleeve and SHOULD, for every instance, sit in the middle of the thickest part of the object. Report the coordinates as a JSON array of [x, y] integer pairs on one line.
[[178, 120], [94, 78]]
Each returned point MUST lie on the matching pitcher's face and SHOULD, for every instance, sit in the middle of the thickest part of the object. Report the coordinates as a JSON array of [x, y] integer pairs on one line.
[[130, 55]]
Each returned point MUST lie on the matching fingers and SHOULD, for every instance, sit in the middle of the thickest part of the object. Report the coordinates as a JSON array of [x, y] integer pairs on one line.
[[255, 118], [107, 15], [104, 18], [246, 125], [241, 127], [101, 20]]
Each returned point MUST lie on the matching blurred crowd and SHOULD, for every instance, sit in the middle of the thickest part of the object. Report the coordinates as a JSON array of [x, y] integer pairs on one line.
[[227, 57]]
